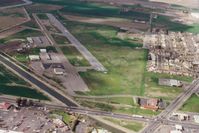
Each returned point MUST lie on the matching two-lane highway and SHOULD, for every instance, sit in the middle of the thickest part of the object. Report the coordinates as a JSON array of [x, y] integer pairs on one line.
[[36, 82], [175, 104]]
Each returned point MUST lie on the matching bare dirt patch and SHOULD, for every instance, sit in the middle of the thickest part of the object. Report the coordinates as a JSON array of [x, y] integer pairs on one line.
[[11, 17], [10, 2], [135, 2], [116, 22], [186, 3], [43, 7]]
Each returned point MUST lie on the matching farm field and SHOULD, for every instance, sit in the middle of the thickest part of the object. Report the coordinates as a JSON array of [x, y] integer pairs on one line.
[[74, 9], [110, 21], [21, 35], [13, 85], [39, 8], [186, 3], [10, 2], [11, 17]]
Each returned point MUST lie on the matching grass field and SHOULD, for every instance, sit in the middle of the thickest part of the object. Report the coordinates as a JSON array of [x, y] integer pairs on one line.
[[31, 24], [95, 9], [194, 28], [126, 65], [134, 126], [13, 85], [125, 72], [123, 58], [101, 10], [65, 117], [113, 100], [123, 110], [60, 39], [42, 16], [176, 26], [74, 56], [117, 104], [152, 89], [191, 105], [22, 35]]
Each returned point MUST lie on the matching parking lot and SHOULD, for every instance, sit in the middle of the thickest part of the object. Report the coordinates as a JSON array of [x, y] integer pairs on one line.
[[28, 120]]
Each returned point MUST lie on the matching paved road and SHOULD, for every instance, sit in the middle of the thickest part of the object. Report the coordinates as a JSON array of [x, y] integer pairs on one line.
[[86, 111], [26, 2], [73, 81], [84, 51], [36, 82], [175, 104]]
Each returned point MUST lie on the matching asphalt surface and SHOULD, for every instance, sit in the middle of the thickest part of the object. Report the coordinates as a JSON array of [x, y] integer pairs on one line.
[[36, 82], [176, 104], [73, 81], [87, 111], [84, 51]]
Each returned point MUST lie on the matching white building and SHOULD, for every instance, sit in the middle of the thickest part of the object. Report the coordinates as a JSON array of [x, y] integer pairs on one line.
[[175, 131], [179, 127], [34, 57], [8, 131], [196, 118], [43, 50], [29, 39]]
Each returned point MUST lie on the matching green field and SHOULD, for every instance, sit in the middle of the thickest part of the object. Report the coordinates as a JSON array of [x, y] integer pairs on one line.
[[42, 16], [126, 65], [31, 24], [65, 116], [61, 40], [74, 56], [123, 58], [13, 85], [125, 72], [95, 9], [22, 35], [21, 57], [152, 89], [101, 10], [134, 126], [175, 26], [112, 100], [191, 105], [126, 105], [124, 110]]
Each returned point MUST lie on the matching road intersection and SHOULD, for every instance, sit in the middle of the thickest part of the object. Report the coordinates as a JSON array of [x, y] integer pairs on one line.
[[72, 106]]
